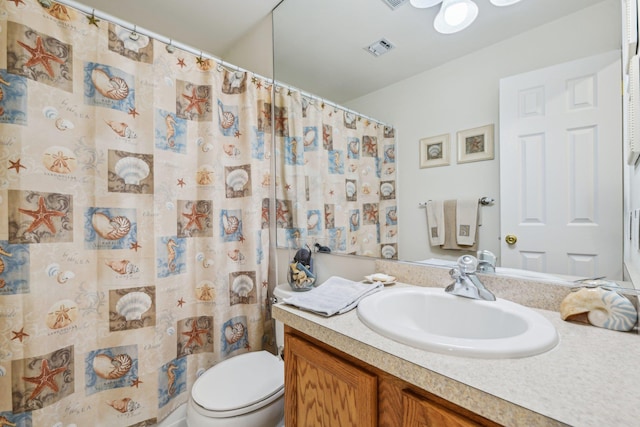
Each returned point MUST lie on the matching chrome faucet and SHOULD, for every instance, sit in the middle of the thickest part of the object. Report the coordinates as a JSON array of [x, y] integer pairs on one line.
[[486, 262], [467, 284]]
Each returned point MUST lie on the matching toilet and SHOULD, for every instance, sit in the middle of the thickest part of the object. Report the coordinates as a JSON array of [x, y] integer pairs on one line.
[[245, 390]]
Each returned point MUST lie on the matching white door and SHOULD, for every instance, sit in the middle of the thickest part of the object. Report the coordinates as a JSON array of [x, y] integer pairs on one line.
[[561, 168]]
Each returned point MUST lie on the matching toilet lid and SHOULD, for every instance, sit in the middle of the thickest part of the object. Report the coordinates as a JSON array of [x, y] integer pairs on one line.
[[239, 382]]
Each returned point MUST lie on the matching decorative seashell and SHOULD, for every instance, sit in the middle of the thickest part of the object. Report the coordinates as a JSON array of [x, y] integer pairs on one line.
[[111, 368], [227, 119], [350, 188], [110, 228], [123, 266], [171, 330], [237, 179], [204, 175], [64, 124], [132, 170], [133, 305], [349, 118], [3, 371], [132, 43], [61, 314], [230, 224], [50, 112], [65, 276], [59, 159], [234, 333], [355, 218], [230, 150], [312, 220], [388, 251], [242, 285], [205, 292], [122, 129], [354, 147], [108, 86], [390, 153], [309, 136], [386, 189], [124, 405], [52, 269], [603, 308], [392, 215]]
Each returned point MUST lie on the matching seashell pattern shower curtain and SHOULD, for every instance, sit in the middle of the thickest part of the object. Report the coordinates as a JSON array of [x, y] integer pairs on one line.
[[134, 205], [335, 178]]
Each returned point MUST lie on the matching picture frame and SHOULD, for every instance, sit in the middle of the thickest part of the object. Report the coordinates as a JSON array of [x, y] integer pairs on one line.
[[476, 144], [434, 151]]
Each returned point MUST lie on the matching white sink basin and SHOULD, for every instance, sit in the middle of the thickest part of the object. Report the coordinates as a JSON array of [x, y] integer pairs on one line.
[[431, 319]]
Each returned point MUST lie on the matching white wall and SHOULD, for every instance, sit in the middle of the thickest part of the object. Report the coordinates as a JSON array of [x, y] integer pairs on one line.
[[464, 94]]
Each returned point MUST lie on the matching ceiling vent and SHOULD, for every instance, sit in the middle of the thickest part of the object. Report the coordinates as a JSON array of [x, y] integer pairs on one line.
[[380, 47], [394, 4]]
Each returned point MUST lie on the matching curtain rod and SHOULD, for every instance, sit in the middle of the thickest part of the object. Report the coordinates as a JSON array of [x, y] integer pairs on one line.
[[327, 102], [134, 28]]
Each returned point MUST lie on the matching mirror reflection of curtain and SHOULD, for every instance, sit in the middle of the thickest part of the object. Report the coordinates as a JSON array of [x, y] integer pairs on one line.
[[335, 178], [134, 251]]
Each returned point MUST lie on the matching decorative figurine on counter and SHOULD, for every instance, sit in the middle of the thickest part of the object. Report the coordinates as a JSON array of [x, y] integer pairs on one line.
[[599, 304], [301, 276]]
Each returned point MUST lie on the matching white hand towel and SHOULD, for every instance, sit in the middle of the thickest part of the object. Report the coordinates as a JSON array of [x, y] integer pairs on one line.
[[336, 295], [435, 222], [466, 221]]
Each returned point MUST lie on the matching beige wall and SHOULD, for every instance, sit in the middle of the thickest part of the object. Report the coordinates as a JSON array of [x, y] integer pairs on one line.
[[254, 50]]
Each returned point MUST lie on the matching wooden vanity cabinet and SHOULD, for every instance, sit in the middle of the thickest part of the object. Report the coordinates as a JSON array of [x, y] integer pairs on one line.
[[325, 387]]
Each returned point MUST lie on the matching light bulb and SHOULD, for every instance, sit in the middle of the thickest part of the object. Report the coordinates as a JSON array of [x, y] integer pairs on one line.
[[456, 14]]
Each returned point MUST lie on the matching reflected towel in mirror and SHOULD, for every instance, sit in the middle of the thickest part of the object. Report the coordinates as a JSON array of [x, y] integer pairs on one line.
[[435, 222]]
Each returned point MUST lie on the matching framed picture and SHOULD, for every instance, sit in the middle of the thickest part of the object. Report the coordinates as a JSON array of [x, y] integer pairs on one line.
[[475, 144], [434, 151]]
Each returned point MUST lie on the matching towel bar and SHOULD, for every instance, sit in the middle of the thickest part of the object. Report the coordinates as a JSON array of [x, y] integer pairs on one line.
[[484, 201]]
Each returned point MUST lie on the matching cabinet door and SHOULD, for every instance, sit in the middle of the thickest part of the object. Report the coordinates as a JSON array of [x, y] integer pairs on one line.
[[419, 412], [322, 389]]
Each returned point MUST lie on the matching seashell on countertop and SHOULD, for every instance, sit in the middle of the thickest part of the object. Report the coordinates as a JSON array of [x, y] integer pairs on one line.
[[111, 368], [132, 170], [600, 307], [133, 305], [109, 86], [110, 228]]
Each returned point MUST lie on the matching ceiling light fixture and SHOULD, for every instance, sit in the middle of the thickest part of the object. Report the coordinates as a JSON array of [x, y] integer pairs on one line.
[[455, 15], [503, 2], [421, 4]]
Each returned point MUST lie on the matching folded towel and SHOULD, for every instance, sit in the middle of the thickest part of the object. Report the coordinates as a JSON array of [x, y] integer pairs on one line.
[[449, 208], [466, 221], [335, 296], [435, 222]]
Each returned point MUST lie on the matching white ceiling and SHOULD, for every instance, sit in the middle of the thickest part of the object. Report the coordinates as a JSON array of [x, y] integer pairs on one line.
[[320, 43]]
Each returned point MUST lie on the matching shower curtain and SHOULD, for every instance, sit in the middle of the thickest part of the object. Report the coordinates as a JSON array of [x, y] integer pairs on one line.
[[134, 204], [335, 178]]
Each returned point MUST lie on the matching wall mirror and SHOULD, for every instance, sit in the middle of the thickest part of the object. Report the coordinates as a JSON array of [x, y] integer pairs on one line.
[[434, 84]]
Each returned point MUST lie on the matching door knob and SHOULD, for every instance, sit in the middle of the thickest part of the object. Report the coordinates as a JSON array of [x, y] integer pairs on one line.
[[511, 239]]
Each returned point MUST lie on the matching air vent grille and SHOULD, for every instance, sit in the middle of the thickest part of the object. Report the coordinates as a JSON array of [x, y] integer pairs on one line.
[[380, 47], [394, 4]]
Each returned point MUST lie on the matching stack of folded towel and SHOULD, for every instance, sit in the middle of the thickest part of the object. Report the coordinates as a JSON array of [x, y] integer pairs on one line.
[[335, 296]]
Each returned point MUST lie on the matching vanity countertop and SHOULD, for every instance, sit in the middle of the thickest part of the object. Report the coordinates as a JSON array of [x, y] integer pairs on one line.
[[591, 378]]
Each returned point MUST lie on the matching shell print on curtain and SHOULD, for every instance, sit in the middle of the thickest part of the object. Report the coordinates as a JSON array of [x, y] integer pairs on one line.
[[335, 178], [134, 233]]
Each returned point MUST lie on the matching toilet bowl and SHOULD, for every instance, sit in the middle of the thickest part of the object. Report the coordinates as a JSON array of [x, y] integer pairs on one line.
[[245, 390]]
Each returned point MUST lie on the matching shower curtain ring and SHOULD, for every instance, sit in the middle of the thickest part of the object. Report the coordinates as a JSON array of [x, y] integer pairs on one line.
[[170, 47], [134, 35]]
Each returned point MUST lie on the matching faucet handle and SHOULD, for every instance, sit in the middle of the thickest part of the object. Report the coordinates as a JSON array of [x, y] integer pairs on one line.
[[467, 263]]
